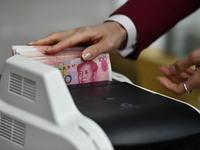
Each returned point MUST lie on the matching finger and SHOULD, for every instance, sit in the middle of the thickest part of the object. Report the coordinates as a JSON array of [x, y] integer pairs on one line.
[[194, 81], [57, 47], [191, 59], [189, 71], [52, 38], [177, 78], [177, 89], [72, 40], [90, 53], [47, 40], [172, 77], [183, 75], [180, 65], [96, 49]]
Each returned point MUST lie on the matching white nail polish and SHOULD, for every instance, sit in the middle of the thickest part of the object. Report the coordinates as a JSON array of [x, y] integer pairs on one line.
[[87, 56], [31, 43], [47, 49]]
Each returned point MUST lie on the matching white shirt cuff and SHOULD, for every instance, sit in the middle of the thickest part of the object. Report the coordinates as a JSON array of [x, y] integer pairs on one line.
[[127, 23]]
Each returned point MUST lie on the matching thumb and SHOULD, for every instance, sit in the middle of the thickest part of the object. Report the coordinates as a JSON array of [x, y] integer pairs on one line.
[[93, 51], [193, 58], [180, 66]]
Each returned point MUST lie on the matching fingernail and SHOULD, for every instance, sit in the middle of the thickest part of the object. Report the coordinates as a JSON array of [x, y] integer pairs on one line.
[[87, 56], [172, 69], [31, 43], [47, 49]]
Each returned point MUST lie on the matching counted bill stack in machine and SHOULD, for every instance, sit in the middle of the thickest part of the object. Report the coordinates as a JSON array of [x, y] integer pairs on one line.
[[73, 69]]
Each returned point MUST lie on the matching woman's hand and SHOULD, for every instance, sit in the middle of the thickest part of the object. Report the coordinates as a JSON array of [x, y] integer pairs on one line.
[[180, 73], [103, 38]]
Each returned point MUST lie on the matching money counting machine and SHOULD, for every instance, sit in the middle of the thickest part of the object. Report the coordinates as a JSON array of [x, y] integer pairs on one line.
[[39, 112]]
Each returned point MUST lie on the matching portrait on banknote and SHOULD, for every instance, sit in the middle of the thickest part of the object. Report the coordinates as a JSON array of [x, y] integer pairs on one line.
[[87, 72]]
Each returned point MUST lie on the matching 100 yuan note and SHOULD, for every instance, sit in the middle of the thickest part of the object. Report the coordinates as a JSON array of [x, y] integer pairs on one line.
[[38, 53], [78, 71], [70, 64]]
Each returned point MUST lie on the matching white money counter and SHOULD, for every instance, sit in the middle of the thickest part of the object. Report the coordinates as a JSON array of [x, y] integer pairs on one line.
[[39, 112]]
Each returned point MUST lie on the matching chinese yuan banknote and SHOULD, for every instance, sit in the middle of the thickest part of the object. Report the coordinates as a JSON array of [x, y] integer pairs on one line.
[[73, 69], [38, 53], [77, 71]]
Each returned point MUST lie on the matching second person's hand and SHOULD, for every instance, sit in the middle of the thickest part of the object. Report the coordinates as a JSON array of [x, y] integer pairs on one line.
[[103, 38], [179, 77]]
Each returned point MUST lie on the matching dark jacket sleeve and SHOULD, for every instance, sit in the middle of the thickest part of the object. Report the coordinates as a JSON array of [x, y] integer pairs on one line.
[[153, 18]]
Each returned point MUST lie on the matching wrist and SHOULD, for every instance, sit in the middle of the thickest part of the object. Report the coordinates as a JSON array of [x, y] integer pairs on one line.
[[121, 32]]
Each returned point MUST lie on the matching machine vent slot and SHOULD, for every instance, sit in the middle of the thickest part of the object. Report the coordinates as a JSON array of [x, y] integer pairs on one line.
[[95, 144], [84, 130], [88, 134], [12, 130], [22, 86]]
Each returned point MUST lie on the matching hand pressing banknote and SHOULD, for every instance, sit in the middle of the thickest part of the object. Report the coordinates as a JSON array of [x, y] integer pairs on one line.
[[73, 69]]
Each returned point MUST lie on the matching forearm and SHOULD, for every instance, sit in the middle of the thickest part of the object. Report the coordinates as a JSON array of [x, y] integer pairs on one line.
[[153, 18]]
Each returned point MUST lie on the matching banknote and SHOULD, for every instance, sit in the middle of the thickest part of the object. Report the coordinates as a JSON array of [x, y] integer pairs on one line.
[[38, 53], [73, 69], [78, 71]]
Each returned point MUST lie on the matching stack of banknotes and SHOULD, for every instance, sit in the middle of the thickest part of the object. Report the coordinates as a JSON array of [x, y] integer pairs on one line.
[[73, 69]]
